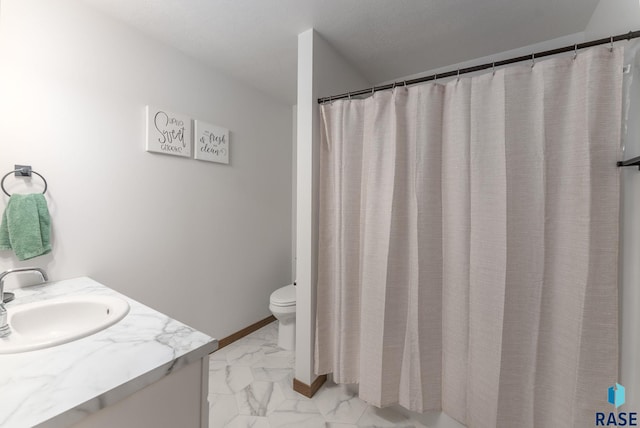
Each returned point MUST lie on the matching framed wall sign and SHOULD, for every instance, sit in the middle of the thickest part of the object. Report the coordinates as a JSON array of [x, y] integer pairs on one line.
[[211, 142], [168, 132]]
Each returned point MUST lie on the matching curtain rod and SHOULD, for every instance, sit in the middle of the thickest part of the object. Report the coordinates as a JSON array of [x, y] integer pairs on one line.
[[630, 35]]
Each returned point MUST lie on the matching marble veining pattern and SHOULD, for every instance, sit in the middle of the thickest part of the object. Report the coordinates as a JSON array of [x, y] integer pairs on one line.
[[250, 385], [62, 383]]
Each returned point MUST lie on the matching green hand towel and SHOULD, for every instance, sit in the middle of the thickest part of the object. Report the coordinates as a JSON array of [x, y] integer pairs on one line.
[[26, 226]]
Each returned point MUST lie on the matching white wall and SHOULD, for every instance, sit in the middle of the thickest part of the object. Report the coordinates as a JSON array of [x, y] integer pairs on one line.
[[205, 243], [321, 72], [613, 17], [499, 56], [294, 172]]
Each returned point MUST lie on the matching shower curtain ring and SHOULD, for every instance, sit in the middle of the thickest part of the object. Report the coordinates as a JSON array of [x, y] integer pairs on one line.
[[435, 78], [405, 84], [575, 51], [458, 76], [493, 67], [533, 59], [611, 47], [349, 94]]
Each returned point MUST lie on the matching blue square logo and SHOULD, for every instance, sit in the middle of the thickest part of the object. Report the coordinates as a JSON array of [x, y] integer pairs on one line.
[[616, 395]]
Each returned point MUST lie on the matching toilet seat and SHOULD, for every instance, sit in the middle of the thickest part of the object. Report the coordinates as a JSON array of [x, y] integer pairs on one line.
[[284, 296]]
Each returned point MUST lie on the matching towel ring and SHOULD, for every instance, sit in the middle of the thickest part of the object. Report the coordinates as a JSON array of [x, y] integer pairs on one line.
[[26, 172]]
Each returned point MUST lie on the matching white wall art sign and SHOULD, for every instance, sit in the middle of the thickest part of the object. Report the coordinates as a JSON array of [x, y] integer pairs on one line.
[[168, 133], [212, 142]]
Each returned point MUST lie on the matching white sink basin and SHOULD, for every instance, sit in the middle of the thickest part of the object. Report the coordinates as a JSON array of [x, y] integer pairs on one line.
[[52, 322]]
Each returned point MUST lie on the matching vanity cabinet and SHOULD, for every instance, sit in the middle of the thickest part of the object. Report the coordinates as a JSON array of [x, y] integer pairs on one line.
[[177, 400], [146, 370]]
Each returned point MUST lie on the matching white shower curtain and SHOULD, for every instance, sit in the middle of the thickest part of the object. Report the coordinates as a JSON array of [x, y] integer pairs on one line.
[[468, 243]]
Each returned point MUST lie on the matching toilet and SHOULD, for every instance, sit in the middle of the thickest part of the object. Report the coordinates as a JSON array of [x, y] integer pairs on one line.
[[283, 306]]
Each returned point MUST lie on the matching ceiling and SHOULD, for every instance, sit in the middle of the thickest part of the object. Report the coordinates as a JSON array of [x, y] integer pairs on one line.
[[255, 41]]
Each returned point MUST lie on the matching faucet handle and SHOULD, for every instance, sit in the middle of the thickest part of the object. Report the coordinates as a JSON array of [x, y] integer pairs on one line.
[[40, 271], [8, 296], [5, 330]]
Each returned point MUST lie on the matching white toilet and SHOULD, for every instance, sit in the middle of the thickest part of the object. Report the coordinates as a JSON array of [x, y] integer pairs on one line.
[[283, 306]]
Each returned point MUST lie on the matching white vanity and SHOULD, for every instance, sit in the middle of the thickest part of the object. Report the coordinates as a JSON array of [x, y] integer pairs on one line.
[[146, 370]]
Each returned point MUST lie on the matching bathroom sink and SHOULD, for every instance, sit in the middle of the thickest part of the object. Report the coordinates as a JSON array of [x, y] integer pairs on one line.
[[53, 322]]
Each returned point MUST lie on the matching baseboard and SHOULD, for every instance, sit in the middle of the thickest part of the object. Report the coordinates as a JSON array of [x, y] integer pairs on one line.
[[298, 386], [245, 331], [309, 390]]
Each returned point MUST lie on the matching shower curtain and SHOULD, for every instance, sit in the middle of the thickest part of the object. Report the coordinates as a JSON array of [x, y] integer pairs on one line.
[[468, 243]]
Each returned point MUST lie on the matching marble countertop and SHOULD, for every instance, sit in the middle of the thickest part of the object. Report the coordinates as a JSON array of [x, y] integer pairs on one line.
[[58, 386]]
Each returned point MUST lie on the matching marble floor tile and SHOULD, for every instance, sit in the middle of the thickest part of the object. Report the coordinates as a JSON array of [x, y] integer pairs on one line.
[[270, 374], [276, 361], [245, 355], [243, 421], [251, 385], [228, 379], [259, 398], [295, 413], [222, 409], [338, 404], [274, 350], [374, 417]]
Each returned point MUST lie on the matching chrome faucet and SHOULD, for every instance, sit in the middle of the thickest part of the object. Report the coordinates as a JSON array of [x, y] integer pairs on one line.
[[5, 330]]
